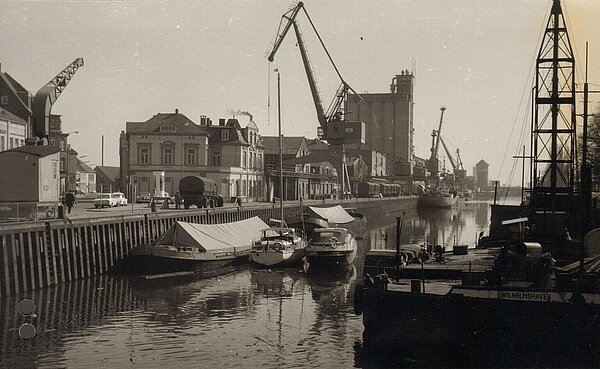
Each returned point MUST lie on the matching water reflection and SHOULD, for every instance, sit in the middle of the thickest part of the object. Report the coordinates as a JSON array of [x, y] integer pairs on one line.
[[458, 225]]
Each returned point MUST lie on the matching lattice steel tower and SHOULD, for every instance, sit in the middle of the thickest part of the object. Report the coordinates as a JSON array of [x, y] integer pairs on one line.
[[554, 121]]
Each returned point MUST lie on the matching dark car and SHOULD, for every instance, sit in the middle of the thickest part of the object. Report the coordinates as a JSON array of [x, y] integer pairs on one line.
[[143, 197]]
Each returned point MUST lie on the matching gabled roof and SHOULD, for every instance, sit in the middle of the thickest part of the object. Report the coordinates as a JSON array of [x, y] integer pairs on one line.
[[175, 119], [83, 167], [109, 172], [252, 125], [232, 122], [6, 115], [291, 145], [15, 85], [37, 150], [16, 88], [316, 144]]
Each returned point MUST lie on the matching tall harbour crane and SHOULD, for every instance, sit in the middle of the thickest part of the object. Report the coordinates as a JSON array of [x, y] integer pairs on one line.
[[453, 161], [457, 166], [47, 96], [334, 128], [432, 164]]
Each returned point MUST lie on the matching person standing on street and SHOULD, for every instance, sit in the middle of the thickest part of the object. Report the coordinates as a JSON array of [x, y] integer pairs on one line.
[[177, 199], [69, 200]]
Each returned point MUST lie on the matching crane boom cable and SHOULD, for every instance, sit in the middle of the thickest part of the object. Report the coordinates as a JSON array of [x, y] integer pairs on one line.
[[327, 51]]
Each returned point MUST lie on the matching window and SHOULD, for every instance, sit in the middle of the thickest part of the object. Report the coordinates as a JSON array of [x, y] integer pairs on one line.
[[260, 163], [244, 159], [225, 135], [55, 167], [144, 155], [168, 128], [167, 155], [4, 100], [191, 156], [216, 158]]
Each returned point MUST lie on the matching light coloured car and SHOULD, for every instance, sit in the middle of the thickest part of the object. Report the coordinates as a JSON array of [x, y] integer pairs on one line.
[[121, 199], [104, 199], [158, 200]]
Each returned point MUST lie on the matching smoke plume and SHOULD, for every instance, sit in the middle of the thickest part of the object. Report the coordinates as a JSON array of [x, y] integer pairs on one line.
[[240, 112]]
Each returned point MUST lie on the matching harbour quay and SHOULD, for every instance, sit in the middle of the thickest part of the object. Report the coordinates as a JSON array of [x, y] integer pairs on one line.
[[44, 253]]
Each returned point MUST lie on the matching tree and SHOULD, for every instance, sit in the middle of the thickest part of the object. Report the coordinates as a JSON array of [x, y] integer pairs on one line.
[[594, 143]]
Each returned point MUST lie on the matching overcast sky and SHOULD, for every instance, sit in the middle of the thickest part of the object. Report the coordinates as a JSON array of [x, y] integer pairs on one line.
[[209, 58]]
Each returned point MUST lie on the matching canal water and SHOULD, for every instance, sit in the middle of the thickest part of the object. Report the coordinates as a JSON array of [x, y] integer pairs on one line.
[[250, 318]]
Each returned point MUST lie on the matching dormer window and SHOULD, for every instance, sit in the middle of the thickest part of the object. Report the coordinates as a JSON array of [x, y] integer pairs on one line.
[[225, 135], [168, 128]]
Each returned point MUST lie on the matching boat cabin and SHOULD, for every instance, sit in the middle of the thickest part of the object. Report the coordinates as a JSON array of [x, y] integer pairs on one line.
[[328, 236]]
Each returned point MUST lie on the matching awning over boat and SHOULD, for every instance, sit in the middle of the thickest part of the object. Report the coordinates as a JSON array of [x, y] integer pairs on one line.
[[334, 214], [224, 237]]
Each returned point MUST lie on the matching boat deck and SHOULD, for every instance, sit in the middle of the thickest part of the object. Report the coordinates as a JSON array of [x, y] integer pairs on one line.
[[431, 286], [451, 267]]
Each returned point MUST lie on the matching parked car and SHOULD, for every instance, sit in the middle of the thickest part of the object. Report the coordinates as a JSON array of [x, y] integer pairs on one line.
[[159, 200], [143, 197], [121, 199], [104, 199]]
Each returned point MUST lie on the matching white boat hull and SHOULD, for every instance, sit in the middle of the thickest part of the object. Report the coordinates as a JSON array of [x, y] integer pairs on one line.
[[437, 201], [271, 258]]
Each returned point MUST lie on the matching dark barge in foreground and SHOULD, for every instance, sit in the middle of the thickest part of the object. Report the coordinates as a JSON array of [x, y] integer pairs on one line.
[[517, 303]]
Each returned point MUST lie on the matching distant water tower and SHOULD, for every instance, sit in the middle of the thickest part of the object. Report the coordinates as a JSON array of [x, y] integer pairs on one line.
[[482, 175]]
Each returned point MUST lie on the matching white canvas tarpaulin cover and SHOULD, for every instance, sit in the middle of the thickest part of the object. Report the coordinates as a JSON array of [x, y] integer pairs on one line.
[[224, 237], [334, 214]]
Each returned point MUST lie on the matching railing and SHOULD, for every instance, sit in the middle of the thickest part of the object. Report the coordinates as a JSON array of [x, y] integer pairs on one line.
[[22, 211]]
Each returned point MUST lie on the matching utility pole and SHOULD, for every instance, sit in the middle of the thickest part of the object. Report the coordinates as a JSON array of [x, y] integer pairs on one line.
[[586, 172], [102, 150]]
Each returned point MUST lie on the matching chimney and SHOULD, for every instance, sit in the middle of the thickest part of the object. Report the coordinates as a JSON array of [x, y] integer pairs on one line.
[[203, 120], [176, 111], [221, 122]]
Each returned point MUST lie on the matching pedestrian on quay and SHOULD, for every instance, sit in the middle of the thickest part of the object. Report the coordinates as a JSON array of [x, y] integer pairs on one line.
[[70, 201], [177, 199]]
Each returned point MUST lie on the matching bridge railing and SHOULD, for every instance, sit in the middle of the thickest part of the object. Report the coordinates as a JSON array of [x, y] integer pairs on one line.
[[23, 211]]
